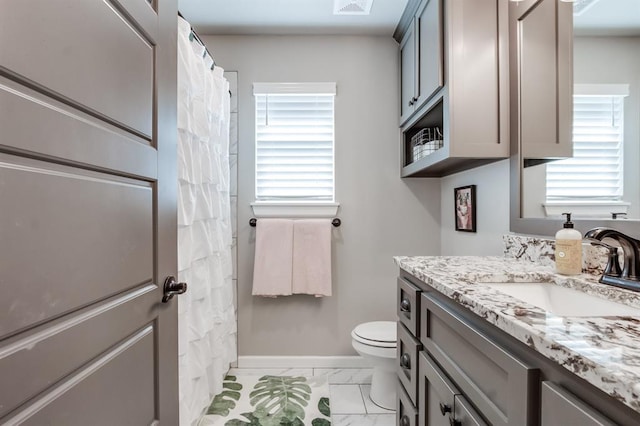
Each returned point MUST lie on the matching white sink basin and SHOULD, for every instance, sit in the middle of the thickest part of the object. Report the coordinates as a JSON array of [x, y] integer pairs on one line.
[[562, 301]]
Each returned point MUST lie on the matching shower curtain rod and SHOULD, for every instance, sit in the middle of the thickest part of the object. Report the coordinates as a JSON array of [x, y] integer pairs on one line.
[[195, 35]]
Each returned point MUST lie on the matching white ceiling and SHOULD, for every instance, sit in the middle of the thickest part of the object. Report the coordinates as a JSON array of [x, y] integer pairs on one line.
[[288, 17], [609, 17], [604, 17]]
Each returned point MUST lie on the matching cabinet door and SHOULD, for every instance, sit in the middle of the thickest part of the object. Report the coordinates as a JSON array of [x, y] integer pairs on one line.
[[477, 77], [429, 27], [500, 385], [436, 395], [559, 407], [408, 74], [541, 34]]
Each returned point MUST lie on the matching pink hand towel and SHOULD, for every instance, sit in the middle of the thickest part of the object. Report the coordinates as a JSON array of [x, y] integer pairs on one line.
[[273, 257], [312, 257]]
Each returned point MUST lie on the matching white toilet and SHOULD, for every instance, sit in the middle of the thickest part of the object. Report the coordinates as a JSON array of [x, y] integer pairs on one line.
[[376, 341]]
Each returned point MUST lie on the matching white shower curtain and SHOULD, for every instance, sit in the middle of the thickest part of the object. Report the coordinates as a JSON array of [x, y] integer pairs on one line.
[[206, 319]]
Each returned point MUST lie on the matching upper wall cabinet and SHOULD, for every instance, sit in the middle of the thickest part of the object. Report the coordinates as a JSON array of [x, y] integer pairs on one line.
[[454, 109], [541, 78], [421, 58]]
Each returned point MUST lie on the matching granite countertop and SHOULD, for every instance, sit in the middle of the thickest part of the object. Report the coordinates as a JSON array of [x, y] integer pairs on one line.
[[605, 351]]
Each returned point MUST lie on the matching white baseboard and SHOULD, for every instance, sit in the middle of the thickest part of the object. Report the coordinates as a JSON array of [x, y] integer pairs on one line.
[[302, 362]]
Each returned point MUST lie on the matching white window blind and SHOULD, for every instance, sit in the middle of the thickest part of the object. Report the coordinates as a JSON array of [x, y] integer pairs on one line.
[[295, 142], [595, 173]]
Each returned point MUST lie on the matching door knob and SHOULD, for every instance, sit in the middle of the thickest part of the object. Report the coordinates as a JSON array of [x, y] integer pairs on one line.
[[172, 288]]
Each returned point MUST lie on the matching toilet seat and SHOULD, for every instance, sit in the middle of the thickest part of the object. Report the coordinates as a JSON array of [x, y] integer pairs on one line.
[[381, 334]]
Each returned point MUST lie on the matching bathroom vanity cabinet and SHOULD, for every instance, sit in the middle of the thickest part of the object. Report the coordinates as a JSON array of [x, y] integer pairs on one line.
[[440, 41], [456, 368]]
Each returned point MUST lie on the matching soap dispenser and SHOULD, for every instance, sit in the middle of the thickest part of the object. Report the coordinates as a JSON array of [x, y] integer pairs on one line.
[[568, 249]]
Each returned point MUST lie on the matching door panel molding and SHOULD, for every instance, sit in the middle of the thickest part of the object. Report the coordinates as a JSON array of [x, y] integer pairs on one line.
[[77, 318], [87, 53], [99, 327], [69, 135], [140, 14], [67, 221], [57, 392]]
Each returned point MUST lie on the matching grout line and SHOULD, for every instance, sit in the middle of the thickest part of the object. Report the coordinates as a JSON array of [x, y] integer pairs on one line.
[[363, 397]]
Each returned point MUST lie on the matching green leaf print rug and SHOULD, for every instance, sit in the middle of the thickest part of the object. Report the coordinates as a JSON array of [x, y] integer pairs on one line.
[[270, 401]]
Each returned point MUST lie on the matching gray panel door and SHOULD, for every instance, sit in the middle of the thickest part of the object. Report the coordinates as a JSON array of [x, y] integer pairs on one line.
[[542, 68], [408, 73], [87, 212], [430, 51], [560, 407]]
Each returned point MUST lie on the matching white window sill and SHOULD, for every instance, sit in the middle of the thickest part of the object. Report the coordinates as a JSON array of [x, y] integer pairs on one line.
[[578, 209], [288, 209]]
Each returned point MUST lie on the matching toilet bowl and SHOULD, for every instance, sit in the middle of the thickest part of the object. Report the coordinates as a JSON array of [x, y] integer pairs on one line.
[[376, 342]]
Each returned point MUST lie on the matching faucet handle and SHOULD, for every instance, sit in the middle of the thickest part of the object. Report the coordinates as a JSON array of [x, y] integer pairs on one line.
[[613, 264]]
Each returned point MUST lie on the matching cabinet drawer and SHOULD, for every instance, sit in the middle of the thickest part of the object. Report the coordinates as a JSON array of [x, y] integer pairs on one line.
[[409, 305], [407, 367], [501, 386], [559, 407], [437, 394], [406, 414]]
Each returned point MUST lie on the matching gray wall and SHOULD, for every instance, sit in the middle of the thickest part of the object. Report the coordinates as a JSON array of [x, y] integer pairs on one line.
[[492, 211], [382, 214]]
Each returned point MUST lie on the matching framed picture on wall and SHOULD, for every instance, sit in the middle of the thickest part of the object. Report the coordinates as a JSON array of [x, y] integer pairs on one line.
[[465, 208]]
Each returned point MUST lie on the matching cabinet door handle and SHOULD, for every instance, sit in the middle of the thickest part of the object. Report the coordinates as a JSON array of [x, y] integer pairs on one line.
[[404, 421], [405, 306], [445, 408], [405, 361], [414, 99], [410, 102], [454, 422]]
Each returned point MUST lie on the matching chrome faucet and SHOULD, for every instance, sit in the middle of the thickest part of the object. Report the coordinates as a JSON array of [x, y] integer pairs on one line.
[[629, 276]]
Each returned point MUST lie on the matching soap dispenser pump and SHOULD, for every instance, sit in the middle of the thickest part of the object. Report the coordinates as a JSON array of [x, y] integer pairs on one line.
[[568, 249]]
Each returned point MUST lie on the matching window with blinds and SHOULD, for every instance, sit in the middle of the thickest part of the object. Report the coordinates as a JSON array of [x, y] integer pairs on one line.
[[595, 173], [294, 141]]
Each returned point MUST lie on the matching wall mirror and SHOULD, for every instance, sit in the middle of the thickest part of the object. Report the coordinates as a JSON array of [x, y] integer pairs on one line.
[[603, 179]]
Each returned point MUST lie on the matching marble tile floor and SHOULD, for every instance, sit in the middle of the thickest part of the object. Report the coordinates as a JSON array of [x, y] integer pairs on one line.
[[349, 394]]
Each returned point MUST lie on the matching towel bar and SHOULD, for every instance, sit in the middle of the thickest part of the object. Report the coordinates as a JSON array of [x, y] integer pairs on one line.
[[335, 222]]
